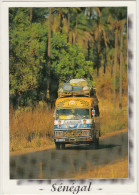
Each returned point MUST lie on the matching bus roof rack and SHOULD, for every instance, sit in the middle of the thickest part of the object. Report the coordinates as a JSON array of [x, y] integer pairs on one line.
[[83, 93], [75, 87]]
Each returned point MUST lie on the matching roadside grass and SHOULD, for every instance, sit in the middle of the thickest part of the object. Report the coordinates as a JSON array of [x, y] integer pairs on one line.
[[111, 121], [111, 118], [31, 128], [116, 169]]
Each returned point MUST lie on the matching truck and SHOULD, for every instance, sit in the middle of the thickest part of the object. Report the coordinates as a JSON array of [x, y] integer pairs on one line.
[[77, 117]]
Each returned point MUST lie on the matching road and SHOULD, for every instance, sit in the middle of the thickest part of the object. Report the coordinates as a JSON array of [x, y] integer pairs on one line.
[[56, 164]]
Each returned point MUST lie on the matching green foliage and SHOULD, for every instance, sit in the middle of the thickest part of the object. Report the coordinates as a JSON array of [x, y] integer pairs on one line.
[[82, 41], [27, 53], [68, 61]]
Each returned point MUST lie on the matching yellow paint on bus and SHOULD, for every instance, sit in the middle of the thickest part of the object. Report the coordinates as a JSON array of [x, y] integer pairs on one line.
[[71, 102]]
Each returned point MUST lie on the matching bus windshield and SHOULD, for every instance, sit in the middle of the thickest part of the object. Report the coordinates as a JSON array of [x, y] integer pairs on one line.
[[77, 113]]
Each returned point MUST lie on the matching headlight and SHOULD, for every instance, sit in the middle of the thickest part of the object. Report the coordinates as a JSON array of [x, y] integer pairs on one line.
[[59, 133], [59, 122], [84, 121], [85, 133]]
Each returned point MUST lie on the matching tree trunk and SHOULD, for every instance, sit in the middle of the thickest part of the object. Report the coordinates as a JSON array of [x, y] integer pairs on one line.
[[112, 62], [105, 60], [76, 30], [115, 68], [99, 60], [98, 49], [60, 21], [121, 66], [98, 64], [49, 52], [97, 71], [31, 14], [84, 48], [68, 27], [88, 49]]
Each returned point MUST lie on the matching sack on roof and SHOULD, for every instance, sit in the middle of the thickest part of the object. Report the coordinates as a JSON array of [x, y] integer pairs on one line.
[[67, 87], [78, 82], [77, 88]]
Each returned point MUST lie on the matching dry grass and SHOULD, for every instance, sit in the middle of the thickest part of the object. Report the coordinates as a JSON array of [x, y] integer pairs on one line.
[[112, 119], [117, 169], [114, 133], [31, 129]]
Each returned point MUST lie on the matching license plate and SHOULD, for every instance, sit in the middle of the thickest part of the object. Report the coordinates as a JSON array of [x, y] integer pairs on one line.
[[72, 139], [60, 140]]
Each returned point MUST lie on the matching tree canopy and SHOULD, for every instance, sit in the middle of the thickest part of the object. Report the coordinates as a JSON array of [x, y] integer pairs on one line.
[[63, 44]]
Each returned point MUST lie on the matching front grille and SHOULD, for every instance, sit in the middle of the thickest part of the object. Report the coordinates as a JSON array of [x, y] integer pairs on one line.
[[76, 133], [85, 132], [59, 133], [73, 133]]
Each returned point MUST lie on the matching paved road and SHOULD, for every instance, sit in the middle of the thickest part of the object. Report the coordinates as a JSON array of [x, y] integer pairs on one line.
[[55, 164]]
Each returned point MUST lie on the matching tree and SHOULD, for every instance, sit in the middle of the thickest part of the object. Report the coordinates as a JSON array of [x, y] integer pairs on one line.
[[27, 48], [31, 14], [68, 61], [98, 19], [122, 23], [48, 45], [115, 61], [116, 16], [49, 51]]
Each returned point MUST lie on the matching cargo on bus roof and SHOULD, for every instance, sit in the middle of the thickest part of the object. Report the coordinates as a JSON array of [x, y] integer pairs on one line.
[[75, 87], [78, 82]]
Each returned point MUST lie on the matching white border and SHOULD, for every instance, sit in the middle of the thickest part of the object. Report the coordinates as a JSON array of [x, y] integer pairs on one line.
[[137, 95], [10, 186], [0, 104]]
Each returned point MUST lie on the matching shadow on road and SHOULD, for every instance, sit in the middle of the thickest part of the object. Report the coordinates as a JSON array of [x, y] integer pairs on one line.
[[88, 147]]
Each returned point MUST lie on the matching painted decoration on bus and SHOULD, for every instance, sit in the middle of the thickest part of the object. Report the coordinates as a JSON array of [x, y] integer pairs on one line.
[[73, 103]]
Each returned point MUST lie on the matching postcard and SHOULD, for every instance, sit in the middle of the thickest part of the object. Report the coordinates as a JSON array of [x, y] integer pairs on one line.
[[69, 97]]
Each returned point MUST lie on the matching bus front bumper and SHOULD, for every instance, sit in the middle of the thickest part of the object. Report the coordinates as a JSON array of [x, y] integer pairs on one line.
[[70, 140]]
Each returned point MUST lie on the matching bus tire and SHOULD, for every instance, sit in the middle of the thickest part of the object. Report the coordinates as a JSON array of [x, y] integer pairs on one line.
[[97, 142], [57, 145], [63, 146], [92, 144]]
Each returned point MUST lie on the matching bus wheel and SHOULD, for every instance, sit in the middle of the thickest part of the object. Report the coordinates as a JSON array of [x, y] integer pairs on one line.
[[57, 146], [63, 146], [97, 142], [92, 145]]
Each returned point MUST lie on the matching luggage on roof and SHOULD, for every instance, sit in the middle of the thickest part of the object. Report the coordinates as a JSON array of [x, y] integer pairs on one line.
[[76, 87], [67, 87], [78, 82]]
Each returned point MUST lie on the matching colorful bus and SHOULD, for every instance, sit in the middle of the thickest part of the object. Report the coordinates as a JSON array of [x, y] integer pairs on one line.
[[77, 121]]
